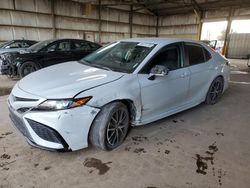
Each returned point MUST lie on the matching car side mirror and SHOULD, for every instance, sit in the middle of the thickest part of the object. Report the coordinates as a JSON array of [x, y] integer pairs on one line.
[[158, 70]]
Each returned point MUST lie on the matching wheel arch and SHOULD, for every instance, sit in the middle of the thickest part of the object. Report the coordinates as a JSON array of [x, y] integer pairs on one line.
[[128, 103]]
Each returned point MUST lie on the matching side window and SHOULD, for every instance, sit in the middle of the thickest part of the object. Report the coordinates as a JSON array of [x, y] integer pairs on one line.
[[207, 54], [93, 45], [15, 45], [51, 48], [63, 46], [25, 45], [81, 45], [195, 53], [169, 57]]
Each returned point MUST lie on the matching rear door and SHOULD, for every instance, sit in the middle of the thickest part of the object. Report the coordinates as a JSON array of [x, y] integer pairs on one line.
[[200, 65], [81, 48]]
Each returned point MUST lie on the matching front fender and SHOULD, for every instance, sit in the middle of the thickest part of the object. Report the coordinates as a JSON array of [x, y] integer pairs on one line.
[[126, 88]]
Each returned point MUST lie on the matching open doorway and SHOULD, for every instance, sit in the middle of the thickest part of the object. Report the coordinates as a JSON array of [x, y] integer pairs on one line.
[[214, 33]]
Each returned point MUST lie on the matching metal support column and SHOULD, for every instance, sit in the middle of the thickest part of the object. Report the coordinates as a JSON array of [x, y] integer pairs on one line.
[[131, 21], [157, 26], [199, 18], [53, 18], [227, 34], [99, 22]]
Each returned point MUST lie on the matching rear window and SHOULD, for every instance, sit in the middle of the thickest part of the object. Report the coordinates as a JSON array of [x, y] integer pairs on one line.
[[195, 54]]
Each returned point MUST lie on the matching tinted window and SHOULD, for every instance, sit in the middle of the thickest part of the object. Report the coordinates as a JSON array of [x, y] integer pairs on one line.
[[168, 57], [25, 45], [51, 47], [93, 45], [207, 54], [195, 53], [63, 46], [15, 45], [81, 45]]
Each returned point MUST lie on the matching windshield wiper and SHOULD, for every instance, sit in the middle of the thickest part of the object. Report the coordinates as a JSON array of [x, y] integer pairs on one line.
[[95, 65]]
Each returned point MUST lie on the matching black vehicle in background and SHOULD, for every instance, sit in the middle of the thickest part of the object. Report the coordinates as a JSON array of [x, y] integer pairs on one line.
[[15, 45], [44, 54]]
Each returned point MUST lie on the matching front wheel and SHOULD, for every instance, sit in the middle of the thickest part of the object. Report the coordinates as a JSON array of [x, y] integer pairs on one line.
[[110, 127], [27, 68], [215, 91]]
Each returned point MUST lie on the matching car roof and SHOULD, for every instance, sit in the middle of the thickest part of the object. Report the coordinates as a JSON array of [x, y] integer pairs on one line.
[[161, 41], [23, 40]]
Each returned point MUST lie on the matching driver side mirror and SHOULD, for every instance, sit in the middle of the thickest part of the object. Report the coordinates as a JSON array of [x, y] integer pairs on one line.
[[158, 70]]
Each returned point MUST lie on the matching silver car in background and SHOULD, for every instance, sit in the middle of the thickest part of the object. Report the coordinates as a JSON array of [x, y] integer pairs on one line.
[[126, 83]]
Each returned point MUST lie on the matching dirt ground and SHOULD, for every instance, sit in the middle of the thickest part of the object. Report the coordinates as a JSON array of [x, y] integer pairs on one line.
[[204, 147]]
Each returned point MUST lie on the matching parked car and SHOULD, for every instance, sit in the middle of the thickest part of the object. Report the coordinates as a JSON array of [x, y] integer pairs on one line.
[[44, 54], [14, 45], [129, 82]]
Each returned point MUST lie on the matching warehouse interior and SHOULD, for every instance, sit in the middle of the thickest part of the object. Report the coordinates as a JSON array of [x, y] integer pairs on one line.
[[167, 153], [106, 21]]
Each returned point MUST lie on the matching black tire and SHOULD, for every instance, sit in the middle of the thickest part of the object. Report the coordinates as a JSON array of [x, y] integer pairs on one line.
[[27, 68], [215, 91], [108, 126]]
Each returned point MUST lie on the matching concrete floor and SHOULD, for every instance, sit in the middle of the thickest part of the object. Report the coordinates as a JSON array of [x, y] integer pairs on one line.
[[164, 154]]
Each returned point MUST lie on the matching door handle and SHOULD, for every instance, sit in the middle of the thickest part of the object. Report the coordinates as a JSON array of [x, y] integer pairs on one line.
[[183, 75]]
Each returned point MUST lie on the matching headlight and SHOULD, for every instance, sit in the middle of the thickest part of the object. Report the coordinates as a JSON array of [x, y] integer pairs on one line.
[[61, 104]]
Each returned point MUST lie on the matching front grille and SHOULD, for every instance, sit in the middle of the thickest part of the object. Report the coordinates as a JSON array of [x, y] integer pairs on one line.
[[19, 124], [46, 133]]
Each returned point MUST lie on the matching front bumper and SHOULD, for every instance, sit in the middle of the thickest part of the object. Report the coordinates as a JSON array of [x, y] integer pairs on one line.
[[63, 130]]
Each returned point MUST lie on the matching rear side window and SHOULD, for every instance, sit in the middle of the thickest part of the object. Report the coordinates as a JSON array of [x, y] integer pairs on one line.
[[81, 45], [195, 54], [207, 54]]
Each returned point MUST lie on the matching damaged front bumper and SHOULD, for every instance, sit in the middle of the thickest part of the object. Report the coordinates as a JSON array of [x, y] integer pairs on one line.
[[62, 130]]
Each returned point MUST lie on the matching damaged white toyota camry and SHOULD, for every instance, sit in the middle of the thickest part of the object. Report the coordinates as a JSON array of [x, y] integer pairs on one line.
[[128, 82]]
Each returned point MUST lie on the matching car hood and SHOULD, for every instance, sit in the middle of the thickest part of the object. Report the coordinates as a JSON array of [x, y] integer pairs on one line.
[[66, 80]]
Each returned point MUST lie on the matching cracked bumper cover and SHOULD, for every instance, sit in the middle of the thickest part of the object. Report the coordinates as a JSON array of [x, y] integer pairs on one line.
[[62, 130]]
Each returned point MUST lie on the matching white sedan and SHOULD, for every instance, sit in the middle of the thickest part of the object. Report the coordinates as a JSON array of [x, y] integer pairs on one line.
[[126, 83]]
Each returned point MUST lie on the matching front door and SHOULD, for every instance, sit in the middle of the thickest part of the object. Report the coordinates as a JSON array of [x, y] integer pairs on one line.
[[164, 94], [58, 52]]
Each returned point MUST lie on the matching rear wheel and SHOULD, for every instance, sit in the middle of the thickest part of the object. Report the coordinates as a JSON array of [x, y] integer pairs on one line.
[[27, 68], [110, 127], [215, 91]]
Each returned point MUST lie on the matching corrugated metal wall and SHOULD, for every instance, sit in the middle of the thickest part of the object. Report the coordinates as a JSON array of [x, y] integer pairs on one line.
[[32, 19], [179, 26], [239, 45]]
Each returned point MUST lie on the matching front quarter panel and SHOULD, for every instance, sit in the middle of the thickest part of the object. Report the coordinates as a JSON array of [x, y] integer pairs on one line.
[[125, 88]]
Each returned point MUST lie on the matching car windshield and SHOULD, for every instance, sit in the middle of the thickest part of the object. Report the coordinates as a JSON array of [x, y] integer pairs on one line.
[[119, 56], [4, 44], [40, 45]]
